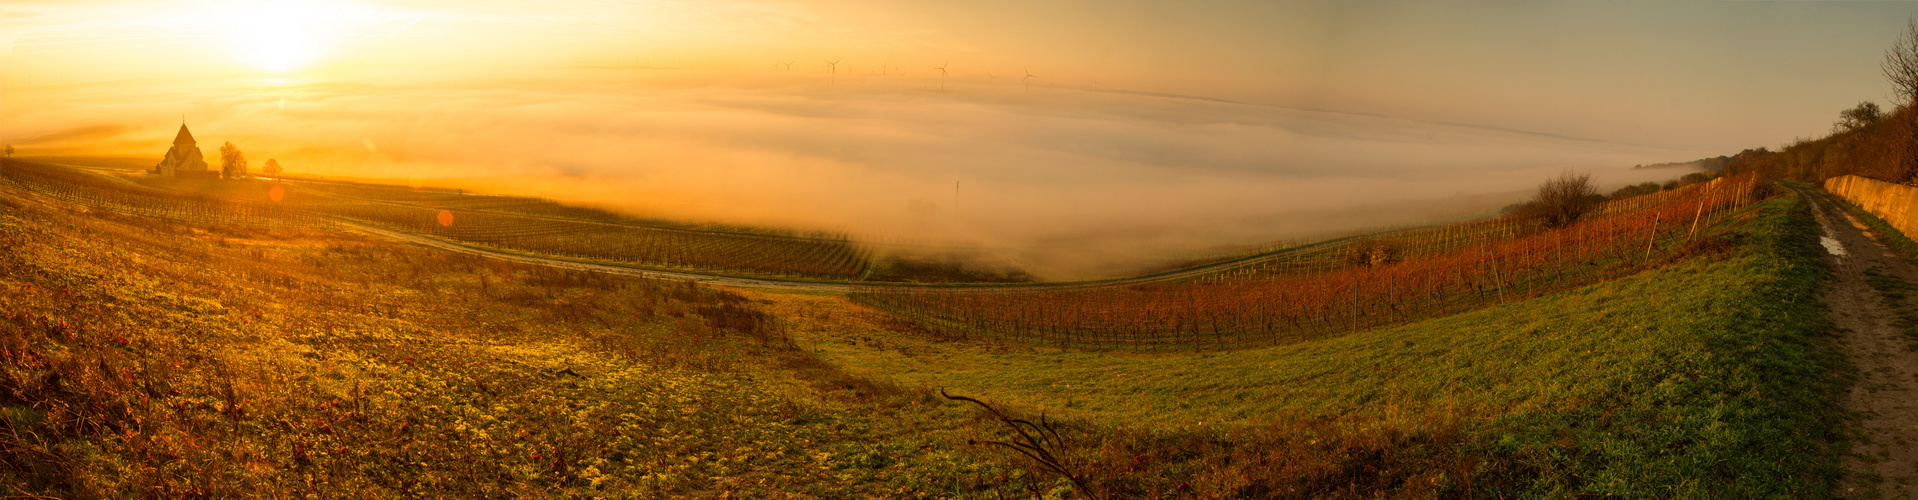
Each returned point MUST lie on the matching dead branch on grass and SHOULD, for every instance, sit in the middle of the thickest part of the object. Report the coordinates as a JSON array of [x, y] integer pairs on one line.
[[1039, 448]]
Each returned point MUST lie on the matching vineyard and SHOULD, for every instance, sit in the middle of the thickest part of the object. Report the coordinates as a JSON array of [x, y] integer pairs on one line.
[[1323, 288], [513, 224], [117, 195], [1341, 286], [674, 248]]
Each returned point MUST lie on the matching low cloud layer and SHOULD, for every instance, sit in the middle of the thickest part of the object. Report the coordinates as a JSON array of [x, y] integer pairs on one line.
[[1070, 182]]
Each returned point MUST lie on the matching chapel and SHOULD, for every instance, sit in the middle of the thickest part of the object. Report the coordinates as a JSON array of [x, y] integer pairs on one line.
[[183, 159]]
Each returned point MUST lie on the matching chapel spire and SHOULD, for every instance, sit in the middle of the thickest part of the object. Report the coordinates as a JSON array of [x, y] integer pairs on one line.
[[184, 138]]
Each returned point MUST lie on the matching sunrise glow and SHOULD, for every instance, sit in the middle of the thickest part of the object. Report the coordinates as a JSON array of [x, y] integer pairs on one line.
[[284, 36], [967, 250]]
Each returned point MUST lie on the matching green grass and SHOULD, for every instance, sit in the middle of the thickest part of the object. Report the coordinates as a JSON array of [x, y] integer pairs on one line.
[[1704, 379]]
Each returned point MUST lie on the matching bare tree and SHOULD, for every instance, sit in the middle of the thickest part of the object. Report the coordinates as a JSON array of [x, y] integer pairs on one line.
[[232, 161], [1563, 200], [1901, 64], [272, 167], [1901, 67]]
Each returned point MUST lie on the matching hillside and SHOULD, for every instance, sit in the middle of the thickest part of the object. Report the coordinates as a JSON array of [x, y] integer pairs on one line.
[[185, 358], [1656, 384]]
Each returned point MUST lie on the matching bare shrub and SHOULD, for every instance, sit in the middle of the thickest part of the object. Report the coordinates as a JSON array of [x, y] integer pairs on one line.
[[1367, 252], [1562, 200]]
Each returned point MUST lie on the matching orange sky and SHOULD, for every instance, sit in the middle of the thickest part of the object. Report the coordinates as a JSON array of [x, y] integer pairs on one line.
[[1160, 126]]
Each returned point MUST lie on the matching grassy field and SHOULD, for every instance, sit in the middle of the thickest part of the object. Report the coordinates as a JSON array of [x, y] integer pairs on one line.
[[145, 357], [155, 357], [1707, 378], [509, 224]]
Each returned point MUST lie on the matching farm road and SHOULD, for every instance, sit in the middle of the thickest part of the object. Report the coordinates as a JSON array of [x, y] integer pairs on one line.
[[1883, 460]]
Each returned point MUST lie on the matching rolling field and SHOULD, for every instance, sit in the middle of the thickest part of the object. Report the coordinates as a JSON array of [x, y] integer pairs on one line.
[[146, 357], [1709, 377], [1343, 286], [187, 356], [106, 192], [510, 224]]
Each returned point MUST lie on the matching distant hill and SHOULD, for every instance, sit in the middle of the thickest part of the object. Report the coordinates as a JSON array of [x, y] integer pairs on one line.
[[1713, 164]]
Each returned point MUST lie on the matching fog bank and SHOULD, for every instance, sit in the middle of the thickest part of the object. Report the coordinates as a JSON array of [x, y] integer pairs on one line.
[[1070, 182]]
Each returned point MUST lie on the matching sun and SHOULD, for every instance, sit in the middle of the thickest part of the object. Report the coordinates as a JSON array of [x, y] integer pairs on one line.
[[281, 36]]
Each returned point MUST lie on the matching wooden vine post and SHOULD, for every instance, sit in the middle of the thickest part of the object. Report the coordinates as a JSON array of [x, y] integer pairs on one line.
[[1703, 195], [1653, 237]]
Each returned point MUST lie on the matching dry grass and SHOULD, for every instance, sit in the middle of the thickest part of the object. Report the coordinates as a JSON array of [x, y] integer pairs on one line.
[[155, 359]]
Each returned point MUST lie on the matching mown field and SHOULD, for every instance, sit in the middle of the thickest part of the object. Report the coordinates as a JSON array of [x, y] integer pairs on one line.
[[182, 357]]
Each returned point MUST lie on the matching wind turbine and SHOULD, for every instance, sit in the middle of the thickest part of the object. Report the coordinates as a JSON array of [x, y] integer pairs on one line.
[[1028, 79], [942, 75], [833, 66], [789, 65]]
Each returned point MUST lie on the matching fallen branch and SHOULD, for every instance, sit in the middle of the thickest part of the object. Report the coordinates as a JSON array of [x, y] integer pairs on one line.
[[1036, 441]]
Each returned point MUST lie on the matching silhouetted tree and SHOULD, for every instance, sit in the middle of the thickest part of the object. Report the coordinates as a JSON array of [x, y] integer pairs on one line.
[[1640, 189], [232, 161], [1563, 200], [1867, 113], [272, 167]]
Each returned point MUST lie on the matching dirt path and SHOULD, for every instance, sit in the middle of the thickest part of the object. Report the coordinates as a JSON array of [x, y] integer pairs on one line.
[[1883, 460]]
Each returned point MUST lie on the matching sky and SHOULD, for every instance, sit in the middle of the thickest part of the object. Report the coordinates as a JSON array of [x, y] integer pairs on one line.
[[1149, 131]]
